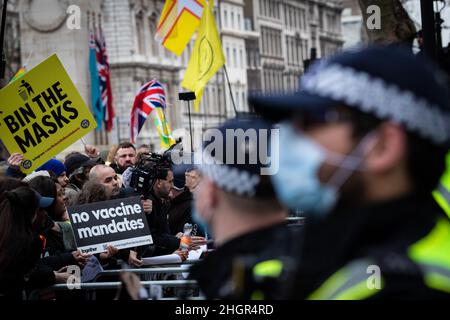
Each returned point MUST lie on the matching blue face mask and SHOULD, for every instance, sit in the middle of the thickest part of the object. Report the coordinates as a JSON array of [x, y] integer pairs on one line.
[[297, 183]]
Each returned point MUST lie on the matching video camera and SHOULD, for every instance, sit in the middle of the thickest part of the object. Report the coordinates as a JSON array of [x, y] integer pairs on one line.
[[149, 168]]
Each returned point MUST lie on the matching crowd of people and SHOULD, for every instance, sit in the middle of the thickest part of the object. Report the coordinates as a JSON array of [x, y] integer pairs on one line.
[[37, 229], [360, 149]]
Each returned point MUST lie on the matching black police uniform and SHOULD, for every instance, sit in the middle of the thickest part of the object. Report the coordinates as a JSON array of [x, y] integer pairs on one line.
[[232, 271]]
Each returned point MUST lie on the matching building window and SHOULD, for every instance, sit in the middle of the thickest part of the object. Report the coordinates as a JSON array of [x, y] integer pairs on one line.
[[232, 20], [140, 33], [239, 21], [278, 34], [205, 99], [154, 45], [219, 100], [264, 40], [291, 13], [228, 55], [216, 15], [276, 9], [305, 26], [241, 56], [225, 18], [235, 62], [213, 101], [287, 49]]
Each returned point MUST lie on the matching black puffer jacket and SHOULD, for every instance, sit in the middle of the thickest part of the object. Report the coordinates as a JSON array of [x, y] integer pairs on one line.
[[179, 212]]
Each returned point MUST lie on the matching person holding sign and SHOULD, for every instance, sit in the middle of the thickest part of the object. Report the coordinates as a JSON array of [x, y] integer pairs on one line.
[[21, 246], [42, 122], [107, 177], [95, 192]]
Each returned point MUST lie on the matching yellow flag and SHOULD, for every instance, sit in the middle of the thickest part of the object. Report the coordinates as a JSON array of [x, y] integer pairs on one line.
[[166, 138], [178, 22], [207, 56]]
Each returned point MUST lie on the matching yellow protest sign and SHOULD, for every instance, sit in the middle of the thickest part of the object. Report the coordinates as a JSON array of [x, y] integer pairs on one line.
[[42, 113]]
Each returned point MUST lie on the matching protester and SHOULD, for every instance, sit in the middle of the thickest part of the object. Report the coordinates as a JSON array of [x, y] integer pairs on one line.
[[78, 166], [164, 241], [106, 176], [18, 251], [143, 148], [55, 224], [362, 147], [124, 158], [14, 162], [95, 192], [21, 247], [192, 178], [92, 192], [58, 168]]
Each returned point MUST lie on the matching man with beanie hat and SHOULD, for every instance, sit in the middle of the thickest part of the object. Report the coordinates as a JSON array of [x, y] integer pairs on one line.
[[362, 146], [78, 166], [236, 201]]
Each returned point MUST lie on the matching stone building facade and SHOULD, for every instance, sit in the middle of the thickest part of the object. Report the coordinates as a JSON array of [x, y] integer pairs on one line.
[[284, 33], [264, 42]]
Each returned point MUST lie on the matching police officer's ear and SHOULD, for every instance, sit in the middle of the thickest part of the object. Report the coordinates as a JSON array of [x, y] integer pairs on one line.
[[388, 152]]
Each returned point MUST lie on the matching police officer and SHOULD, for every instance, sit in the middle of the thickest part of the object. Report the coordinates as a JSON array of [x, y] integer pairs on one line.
[[362, 147], [236, 201]]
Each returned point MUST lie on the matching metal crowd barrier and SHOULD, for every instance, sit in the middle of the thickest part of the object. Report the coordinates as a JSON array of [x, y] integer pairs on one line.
[[292, 220], [144, 271], [117, 284]]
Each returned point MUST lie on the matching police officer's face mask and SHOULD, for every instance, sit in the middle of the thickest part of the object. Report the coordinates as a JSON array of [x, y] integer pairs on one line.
[[297, 183]]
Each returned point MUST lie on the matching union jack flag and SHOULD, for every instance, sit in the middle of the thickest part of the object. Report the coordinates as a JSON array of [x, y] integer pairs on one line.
[[150, 96]]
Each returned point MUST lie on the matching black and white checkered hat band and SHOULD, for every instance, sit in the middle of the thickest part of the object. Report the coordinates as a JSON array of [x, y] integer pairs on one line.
[[227, 177], [385, 100]]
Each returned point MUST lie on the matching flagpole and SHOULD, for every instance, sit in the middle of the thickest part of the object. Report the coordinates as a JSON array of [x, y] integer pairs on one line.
[[188, 97], [223, 76], [224, 66], [229, 88], [2, 38], [190, 124]]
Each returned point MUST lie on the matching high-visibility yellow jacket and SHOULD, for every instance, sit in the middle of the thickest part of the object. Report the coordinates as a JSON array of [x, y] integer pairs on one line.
[[442, 192]]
